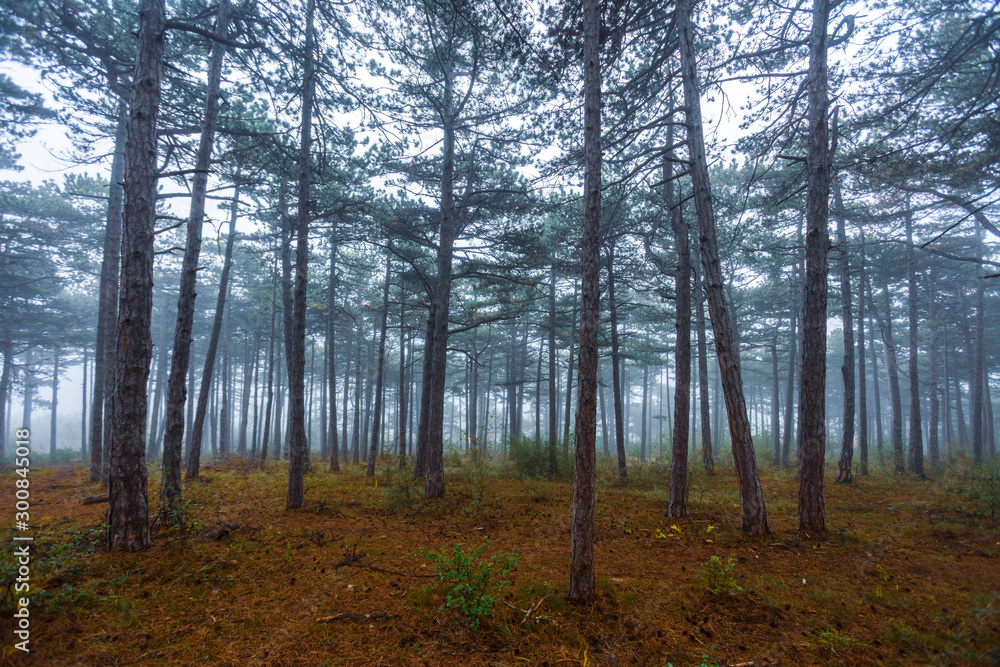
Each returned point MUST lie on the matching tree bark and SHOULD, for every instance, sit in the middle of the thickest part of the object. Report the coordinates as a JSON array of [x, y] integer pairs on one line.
[[153, 446], [569, 373], [845, 467], [707, 457], [128, 510], [677, 503], [892, 368], [582, 584], [197, 430], [862, 379], [170, 488], [616, 380], [380, 373], [107, 313], [916, 453], [753, 513], [553, 397], [979, 360], [333, 445], [934, 406]]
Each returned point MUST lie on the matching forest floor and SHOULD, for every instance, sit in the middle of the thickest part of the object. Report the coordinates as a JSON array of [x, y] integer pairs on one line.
[[907, 574]]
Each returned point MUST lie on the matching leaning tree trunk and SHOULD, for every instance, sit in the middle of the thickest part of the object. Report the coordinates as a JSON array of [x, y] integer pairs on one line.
[[107, 312], [581, 565], [916, 454], [753, 513], [128, 510], [297, 447], [170, 489], [197, 430], [380, 373]]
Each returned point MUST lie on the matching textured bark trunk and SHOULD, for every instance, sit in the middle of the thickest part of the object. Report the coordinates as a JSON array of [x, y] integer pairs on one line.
[[677, 503], [333, 445], [892, 367], [862, 379], [420, 457], [128, 510], [298, 441], [753, 513], [707, 457], [569, 373], [616, 380], [845, 467], [916, 453], [812, 394], [582, 582], [107, 313], [932, 345], [197, 430], [553, 396], [170, 487], [380, 373]]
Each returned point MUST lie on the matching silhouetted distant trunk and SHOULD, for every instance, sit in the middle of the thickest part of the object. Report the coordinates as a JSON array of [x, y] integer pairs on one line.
[[604, 413], [553, 396], [380, 373], [793, 347], [83, 411], [153, 445], [332, 445], [420, 457], [677, 504], [933, 406], [582, 584], [875, 380], [54, 406], [707, 457], [645, 402], [269, 407], [892, 367], [862, 379], [775, 398], [403, 378], [225, 398], [569, 374], [194, 451], [846, 464], [753, 513], [28, 399], [107, 310], [616, 380], [128, 511], [916, 457], [356, 429], [170, 487], [979, 360], [249, 363]]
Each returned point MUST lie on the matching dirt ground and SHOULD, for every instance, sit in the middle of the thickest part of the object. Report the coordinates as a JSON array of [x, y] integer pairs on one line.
[[907, 574]]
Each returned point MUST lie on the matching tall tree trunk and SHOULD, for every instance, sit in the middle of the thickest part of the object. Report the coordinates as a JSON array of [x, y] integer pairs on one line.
[[775, 398], [862, 380], [332, 370], [269, 407], [197, 430], [893, 371], [916, 454], [798, 286], [107, 312], [753, 513], [707, 458], [553, 397], [604, 413], [298, 444], [949, 432], [875, 380], [225, 398], [128, 510], [170, 488], [356, 429], [83, 411], [845, 466], [420, 457], [979, 369], [645, 411], [933, 406], [249, 363], [582, 583], [677, 504], [153, 446], [380, 373], [55, 404], [812, 395], [569, 373], [616, 380]]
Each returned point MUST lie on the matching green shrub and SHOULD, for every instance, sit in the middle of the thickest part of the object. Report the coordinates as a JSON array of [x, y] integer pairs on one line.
[[475, 582], [720, 578], [529, 458], [396, 485]]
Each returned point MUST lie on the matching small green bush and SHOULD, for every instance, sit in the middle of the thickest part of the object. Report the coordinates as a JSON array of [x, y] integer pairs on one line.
[[720, 578], [529, 458], [475, 582]]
